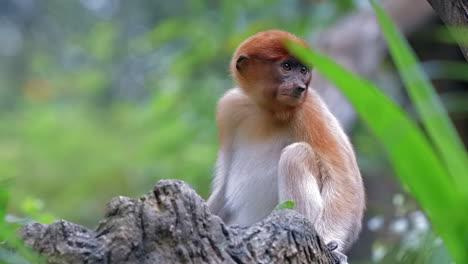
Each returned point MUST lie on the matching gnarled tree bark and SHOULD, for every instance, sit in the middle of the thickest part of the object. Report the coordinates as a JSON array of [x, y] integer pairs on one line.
[[171, 224]]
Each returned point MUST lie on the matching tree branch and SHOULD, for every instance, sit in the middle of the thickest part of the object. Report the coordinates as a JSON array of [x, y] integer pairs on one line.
[[171, 224]]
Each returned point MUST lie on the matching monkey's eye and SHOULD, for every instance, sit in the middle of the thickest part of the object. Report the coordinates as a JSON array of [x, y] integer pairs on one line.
[[286, 66], [304, 70]]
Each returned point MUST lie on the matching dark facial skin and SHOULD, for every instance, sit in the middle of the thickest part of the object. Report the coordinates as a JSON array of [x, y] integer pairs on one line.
[[274, 83], [294, 79]]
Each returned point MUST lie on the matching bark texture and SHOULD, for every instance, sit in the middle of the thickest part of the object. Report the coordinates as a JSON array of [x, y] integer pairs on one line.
[[454, 13], [171, 224]]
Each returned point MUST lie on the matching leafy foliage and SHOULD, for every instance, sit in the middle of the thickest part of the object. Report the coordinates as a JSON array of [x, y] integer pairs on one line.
[[285, 205]]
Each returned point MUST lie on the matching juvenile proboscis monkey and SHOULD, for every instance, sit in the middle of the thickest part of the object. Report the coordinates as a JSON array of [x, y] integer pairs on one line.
[[279, 141]]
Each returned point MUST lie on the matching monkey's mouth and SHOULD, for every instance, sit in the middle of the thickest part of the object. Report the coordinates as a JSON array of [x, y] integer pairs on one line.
[[290, 99], [293, 95]]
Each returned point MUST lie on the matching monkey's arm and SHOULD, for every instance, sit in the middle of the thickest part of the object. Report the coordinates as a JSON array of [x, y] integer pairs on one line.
[[229, 112], [217, 200]]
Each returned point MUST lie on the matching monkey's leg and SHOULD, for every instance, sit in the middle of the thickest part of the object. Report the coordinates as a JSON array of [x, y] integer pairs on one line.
[[296, 180]]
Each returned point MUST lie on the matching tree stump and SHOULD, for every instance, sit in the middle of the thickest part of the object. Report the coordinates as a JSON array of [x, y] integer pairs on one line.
[[172, 224]]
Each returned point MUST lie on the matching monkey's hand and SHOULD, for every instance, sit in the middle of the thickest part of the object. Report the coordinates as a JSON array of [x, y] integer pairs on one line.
[[342, 258]]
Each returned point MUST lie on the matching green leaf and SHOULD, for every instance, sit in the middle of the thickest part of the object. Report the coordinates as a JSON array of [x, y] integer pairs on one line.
[[428, 105], [3, 203], [446, 70], [285, 205], [411, 155], [452, 34]]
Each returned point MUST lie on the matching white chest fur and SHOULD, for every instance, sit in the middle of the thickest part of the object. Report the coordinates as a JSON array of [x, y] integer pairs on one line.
[[252, 186]]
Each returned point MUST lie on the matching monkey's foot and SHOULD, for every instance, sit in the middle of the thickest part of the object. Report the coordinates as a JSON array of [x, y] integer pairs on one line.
[[342, 258]]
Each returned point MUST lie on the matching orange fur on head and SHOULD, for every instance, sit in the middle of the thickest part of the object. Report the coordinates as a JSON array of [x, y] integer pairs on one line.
[[264, 46], [255, 68]]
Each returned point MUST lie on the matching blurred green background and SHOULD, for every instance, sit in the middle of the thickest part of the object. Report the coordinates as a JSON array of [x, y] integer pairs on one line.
[[100, 98]]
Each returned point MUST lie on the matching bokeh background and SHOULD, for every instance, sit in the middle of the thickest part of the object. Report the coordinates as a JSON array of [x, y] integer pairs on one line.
[[100, 98]]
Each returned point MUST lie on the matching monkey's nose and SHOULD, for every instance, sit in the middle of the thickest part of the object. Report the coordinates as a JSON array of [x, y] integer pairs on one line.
[[300, 89]]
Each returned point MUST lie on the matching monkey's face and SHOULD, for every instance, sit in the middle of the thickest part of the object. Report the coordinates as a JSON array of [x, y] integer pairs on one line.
[[273, 83], [292, 81]]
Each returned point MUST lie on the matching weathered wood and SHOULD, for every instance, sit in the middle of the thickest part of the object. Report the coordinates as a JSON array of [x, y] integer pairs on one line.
[[171, 224], [454, 13]]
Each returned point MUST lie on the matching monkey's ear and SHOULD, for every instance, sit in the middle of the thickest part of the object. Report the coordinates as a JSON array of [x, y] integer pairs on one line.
[[242, 61]]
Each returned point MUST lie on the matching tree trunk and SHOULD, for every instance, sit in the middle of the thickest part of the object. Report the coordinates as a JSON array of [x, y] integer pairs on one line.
[[171, 224], [454, 13]]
